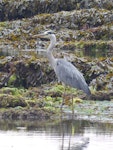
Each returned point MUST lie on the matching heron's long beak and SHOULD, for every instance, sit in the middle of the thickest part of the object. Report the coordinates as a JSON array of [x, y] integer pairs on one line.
[[40, 36]]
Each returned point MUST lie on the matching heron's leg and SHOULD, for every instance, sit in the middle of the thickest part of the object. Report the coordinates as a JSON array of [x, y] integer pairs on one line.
[[72, 104], [64, 94], [68, 98], [63, 101], [63, 97]]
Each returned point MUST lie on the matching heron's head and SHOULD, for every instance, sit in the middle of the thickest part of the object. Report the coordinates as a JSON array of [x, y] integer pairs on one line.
[[47, 34]]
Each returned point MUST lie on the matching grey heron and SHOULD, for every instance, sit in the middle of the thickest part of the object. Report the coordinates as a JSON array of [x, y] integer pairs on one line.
[[65, 71]]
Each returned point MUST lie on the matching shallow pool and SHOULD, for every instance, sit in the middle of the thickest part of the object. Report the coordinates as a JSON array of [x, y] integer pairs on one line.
[[55, 135]]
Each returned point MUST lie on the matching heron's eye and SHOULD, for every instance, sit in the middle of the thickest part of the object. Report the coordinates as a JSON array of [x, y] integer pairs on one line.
[[49, 32]]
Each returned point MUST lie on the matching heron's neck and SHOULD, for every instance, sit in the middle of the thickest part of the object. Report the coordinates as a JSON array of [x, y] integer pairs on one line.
[[52, 43], [50, 49], [51, 59]]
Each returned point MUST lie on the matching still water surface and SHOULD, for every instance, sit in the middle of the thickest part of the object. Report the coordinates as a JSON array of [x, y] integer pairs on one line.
[[58, 135]]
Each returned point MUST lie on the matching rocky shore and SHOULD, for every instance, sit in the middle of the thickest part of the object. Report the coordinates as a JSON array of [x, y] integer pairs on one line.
[[84, 31]]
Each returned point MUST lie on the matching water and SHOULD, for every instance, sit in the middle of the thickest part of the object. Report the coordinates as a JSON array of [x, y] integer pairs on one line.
[[57, 135], [94, 53], [7, 50]]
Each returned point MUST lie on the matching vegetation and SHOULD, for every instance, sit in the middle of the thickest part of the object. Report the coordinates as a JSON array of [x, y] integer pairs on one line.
[[83, 27]]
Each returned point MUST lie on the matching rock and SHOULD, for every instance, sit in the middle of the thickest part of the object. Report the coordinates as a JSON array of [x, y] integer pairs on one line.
[[11, 101], [81, 26], [102, 95], [10, 10], [31, 72], [102, 75], [83, 142], [26, 114], [78, 144], [27, 73]]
